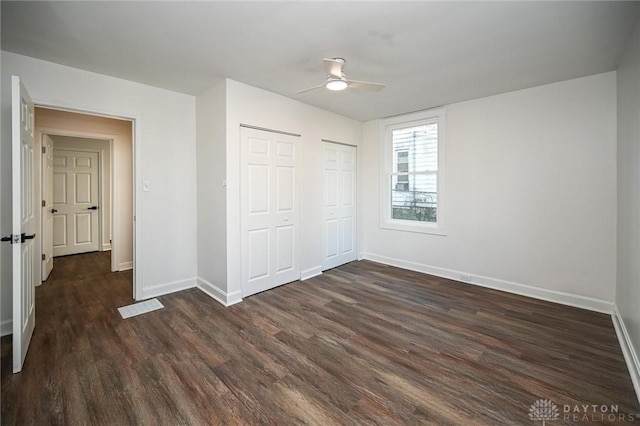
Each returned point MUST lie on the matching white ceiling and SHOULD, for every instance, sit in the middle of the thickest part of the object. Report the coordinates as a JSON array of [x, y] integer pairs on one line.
[[428, 53]]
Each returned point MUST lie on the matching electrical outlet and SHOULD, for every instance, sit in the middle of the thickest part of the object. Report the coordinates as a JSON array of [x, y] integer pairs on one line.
[[464, 277]]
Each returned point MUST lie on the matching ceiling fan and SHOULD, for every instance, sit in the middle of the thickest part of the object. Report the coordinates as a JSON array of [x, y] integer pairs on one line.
[[337, 80]]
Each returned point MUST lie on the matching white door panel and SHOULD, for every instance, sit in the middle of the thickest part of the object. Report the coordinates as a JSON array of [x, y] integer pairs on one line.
[[60, 187], [83, 188], [259, 182], [75, 193], [83, 227], [59, 230], [270, 211], [284, 248], [285, 180], [347, 235], [47, 207], [339, 200], [331, 238], [258, 254], [23, 223], [331, 181], [346, 191]]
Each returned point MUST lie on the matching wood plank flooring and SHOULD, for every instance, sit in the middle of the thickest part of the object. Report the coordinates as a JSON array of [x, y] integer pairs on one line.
[[361, 344]]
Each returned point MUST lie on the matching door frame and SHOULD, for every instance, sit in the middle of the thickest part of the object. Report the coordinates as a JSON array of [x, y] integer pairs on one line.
[[100, 191], [136, 147], [51, 131], [39, 276]]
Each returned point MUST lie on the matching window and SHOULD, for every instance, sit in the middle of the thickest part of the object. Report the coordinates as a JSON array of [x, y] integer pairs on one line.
[[402, 165], [413, 178]]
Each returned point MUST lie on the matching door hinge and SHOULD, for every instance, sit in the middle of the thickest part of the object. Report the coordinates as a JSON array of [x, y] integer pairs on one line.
[[44, 257], [44, 203], [44, 149]]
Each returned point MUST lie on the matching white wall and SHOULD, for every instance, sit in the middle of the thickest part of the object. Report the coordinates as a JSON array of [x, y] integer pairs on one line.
[[257, 107], [166, 144], [628, 278], [530, 196], [102, 146], [212, 206]]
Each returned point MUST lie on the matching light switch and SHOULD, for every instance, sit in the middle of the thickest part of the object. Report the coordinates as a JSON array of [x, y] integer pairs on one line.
[[146, 186]]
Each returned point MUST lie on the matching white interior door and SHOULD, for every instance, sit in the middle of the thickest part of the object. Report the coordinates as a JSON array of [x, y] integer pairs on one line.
[[270, 210], [339, 201], [75, 197], [47, 206], [23, 221]]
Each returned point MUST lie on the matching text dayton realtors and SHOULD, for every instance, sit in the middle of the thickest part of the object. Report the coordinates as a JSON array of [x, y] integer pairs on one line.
[[596, 413]]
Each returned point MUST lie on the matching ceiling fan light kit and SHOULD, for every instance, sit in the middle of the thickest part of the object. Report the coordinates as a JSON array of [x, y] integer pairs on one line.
[[337, 80], [336, 84]]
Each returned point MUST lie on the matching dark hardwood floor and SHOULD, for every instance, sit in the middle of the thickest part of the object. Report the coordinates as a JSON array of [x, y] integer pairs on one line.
[[360, 344]]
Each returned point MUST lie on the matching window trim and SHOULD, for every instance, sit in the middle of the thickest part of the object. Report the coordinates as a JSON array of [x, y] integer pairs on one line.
[[387, 159]]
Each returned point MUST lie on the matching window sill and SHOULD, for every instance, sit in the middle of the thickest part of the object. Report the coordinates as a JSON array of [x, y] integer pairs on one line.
[[421, 228]]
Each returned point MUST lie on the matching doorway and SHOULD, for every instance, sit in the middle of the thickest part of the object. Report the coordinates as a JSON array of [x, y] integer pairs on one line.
[[90, 183]]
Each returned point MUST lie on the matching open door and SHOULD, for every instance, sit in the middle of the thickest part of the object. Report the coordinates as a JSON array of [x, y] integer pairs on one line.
[[48, 209], [23, 221]]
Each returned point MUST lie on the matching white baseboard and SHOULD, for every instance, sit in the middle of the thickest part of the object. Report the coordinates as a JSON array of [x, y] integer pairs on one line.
[[125, 266], [310, 273], [166, 288], [106, 247], [563, 298], [6, 327], [628, 350], [227, 299]]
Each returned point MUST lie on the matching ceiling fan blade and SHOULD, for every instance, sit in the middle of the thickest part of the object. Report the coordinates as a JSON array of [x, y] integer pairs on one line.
[[310, 89], [333, 66], [366, 85]]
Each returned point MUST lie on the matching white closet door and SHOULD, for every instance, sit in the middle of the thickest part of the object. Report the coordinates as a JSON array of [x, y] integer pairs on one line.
[[270, 210], [339, 201]]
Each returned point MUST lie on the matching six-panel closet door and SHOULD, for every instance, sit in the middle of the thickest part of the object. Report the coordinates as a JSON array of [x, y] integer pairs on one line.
[[339, 204], [270, 209]]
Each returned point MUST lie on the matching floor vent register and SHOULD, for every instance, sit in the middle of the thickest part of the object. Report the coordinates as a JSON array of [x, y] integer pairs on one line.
[[140, 308]]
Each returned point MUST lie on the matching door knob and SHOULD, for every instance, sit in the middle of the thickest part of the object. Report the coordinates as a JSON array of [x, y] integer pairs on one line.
[[54, 211], [92, 208], [24, 237]]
